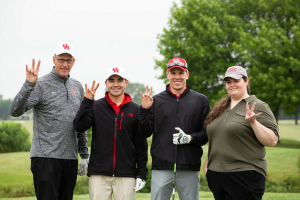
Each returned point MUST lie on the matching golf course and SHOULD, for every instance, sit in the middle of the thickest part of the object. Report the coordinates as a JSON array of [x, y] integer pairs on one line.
[[283, 170]]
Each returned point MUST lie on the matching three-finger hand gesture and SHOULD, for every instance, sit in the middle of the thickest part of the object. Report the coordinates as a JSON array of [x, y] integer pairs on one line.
[[91, 91], [32, 74], [250, 115], [147, 100]]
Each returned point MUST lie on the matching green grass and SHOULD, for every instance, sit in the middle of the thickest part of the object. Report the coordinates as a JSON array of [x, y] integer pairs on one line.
[[288, 129], [202, 195], [282, 161], [288, 143], [15, 168]]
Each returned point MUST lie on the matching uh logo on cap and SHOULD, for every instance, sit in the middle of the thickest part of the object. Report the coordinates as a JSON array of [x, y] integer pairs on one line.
[[115, 70], [66, 46], [231, 69]]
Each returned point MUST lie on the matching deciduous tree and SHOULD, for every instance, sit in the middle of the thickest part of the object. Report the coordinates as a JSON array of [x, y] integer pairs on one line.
[[262, 36]]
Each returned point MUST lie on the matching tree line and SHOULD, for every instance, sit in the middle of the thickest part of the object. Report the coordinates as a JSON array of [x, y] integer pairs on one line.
[[262, 36]]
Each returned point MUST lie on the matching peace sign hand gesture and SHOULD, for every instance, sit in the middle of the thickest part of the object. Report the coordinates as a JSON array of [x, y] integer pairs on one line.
[[91, 91], [147, 100], [250, 115], [32, 74]]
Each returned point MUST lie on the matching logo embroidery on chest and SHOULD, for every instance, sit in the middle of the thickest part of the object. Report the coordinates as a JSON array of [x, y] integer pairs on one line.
[[130, 114], [73, 92]]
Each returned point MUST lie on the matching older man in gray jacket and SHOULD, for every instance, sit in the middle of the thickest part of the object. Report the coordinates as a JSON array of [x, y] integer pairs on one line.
[[55, 99]]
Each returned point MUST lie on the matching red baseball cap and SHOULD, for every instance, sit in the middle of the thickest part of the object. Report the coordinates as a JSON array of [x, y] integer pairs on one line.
[[177, 62]]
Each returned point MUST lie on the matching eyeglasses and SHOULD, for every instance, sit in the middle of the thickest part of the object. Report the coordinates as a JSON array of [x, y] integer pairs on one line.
[[69, 61], [181, 64]]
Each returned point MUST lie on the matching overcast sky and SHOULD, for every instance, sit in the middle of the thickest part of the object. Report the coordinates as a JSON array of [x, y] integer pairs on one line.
[[105, 34]]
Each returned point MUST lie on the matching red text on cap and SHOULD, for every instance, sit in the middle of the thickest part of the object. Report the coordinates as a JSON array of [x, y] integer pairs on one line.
[[66, 46], [176, 61], [231, 69], [115, 70]]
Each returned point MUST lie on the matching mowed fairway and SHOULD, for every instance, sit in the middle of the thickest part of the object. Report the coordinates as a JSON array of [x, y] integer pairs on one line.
[[282, 160], [15, 168], [288, 130]]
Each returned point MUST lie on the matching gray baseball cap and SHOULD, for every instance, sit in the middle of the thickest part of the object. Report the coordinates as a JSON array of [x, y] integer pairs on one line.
[[235, 72]]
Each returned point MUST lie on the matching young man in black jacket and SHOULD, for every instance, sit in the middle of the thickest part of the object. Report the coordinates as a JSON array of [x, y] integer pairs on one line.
[[178, 108], [118, 153]]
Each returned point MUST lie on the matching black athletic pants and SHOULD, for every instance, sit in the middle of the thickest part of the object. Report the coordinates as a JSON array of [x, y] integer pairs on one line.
[[244, 185], [54, 179]]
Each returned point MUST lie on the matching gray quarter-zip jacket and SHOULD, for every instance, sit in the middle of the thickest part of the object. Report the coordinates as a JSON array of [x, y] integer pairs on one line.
[[55, 101]]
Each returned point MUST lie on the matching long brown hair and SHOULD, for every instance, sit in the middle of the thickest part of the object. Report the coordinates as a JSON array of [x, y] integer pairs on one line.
[[221, 105]]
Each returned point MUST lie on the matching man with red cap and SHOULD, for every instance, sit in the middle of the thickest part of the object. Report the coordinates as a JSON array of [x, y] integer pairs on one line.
[[181, 109]]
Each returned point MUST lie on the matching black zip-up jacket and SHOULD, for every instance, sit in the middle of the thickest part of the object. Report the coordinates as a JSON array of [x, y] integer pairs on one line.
[[117, 147], [167, 112]]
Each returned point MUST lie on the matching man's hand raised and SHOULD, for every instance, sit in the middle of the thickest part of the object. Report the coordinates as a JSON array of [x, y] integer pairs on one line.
[[32, 74], [91, 91], [147, 100]]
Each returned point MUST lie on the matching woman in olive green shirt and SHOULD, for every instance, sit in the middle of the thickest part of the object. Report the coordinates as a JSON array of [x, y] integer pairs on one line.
[[235, 165]]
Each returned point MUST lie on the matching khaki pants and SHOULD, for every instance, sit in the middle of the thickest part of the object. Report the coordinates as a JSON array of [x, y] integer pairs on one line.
[[102, 187]]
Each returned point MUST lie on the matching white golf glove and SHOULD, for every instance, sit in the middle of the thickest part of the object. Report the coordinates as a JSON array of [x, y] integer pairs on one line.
[[83, 165], [181, 137], [140, 183]]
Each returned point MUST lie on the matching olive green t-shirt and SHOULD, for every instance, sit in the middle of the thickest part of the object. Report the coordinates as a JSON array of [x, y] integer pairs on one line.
[[233, 146]]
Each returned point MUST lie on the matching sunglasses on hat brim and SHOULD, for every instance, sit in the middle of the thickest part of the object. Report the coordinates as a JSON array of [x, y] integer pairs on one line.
[[181, 64]]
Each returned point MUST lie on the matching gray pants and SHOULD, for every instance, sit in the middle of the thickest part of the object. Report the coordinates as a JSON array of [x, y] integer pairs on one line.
[[187, 184]]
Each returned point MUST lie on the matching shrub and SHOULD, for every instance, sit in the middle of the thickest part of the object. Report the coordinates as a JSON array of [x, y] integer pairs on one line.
[[82, 185], [20, 190], [13, 138], [287, 183]]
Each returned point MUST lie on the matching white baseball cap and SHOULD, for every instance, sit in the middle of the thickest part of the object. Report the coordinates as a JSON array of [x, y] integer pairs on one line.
[[235, 72], [65, 47], [116, 71]]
